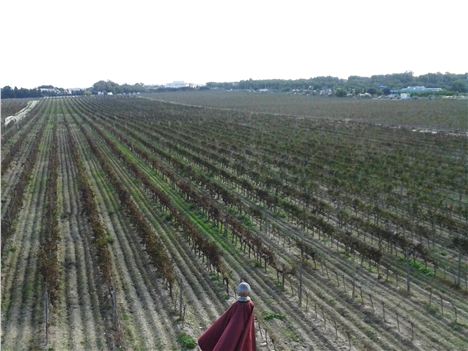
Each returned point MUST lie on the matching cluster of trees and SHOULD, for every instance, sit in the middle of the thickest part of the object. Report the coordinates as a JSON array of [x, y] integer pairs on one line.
[[115, 88], [100, 87], [48, 90], [14, 93], [376, 84], [108, 86], [41, 91], [446, 81]]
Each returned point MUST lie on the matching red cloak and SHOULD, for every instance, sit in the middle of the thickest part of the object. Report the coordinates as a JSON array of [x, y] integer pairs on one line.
[[233, 331]]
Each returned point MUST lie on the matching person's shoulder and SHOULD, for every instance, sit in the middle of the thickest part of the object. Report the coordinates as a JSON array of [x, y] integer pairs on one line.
[[245, 303], [244, 299]]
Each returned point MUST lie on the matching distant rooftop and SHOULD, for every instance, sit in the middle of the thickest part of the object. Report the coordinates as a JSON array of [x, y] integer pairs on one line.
[[419, 89]]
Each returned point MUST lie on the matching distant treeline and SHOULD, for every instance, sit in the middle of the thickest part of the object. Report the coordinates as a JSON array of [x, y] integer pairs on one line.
[[13, 93], [8, 92], [378, 84], [100, 87], [115, 88]]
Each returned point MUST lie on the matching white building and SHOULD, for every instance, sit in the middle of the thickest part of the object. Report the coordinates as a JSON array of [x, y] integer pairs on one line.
[[420, 89], [177, 84]]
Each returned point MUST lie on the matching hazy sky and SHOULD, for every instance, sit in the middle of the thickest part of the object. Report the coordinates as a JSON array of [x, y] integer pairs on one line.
[[75, 43]]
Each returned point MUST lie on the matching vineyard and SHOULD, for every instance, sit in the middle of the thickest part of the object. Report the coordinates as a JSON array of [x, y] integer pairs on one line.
[[127, 223], [439, 114], [12, 106]]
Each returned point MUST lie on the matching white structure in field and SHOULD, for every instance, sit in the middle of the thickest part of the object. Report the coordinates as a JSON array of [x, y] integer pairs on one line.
[[177, 84], [420, 89]]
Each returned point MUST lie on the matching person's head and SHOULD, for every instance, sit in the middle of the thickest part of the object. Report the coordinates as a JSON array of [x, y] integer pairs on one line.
[[244, 289]]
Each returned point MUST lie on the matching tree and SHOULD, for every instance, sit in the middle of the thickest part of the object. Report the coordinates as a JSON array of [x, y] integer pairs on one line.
[[340, 93], [7, 92], [459, 86]]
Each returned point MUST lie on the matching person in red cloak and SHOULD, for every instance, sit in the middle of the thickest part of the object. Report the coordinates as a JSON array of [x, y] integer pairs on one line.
[[235, 329]]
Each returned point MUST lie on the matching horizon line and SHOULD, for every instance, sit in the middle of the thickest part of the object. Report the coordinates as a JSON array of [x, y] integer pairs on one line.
[[235, 81]]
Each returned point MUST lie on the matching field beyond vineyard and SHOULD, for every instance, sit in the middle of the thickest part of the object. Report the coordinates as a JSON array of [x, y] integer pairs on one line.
[[434, 114], [128, 222]]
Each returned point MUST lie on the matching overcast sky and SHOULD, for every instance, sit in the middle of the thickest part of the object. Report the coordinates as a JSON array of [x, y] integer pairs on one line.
[[75, 43]]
